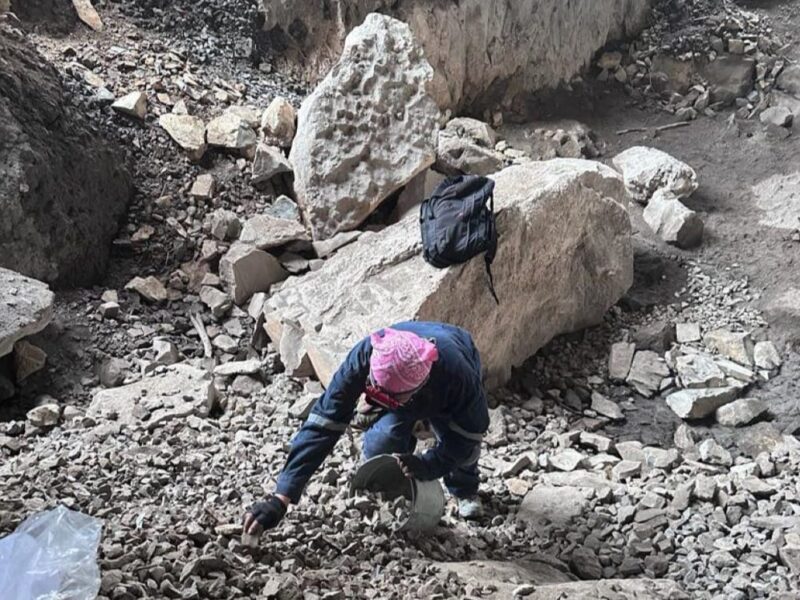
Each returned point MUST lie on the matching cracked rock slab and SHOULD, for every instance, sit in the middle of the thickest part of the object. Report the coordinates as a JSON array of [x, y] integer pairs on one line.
[[564, 222], [26, 307], [178, 391]]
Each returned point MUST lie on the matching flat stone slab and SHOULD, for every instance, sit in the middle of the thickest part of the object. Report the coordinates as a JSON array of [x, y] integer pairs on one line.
[[179, 391], [26, 307], [563, 259]]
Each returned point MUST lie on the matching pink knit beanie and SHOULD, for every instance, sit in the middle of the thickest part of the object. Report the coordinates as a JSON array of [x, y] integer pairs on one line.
[[401, 361]]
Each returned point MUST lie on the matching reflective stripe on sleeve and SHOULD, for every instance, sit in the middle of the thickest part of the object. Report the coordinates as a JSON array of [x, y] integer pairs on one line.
[[325, 422], [476, 437]]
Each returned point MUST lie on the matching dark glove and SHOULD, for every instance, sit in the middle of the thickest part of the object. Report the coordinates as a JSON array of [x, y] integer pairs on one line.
[[269, 513], [415, 467]]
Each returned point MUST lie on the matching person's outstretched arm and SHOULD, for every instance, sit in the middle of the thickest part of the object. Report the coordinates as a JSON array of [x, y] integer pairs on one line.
[[315, 440]]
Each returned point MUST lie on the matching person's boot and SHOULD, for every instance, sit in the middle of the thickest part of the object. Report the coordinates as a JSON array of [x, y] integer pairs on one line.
[[470, 509]]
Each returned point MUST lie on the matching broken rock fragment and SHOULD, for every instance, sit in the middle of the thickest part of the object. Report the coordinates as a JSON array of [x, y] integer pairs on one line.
[[673, 222], [265, 232], [647, 372], [740, 412], [46, 415], [187, 131], [647, 170], [133, 105], [26, 307], [149, 288], [278, 123], [247, 270], [696, 404], [620, 360], [366, 130], [734, 345], [230, 132], [766, 356], [269, 162], [177, 392]]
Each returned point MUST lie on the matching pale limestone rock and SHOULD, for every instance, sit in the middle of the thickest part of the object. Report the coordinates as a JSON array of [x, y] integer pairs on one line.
[[278, 123], [647, 170], [699, 371], [547, 506], [740, 412], [736, 346], [647, 372], [46, 415], [149, 288], [186, 131], [247, 270], [766, 356], [265, 232], [696, 404], [26, 307], [672, 221], [179, 391], [268, 163], [564, 220], [366, 130], [620, 360], [231, 132], [249, 114], [133, 105]]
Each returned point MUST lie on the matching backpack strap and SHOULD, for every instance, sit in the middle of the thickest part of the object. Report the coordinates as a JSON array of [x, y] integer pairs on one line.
[[488, 256]]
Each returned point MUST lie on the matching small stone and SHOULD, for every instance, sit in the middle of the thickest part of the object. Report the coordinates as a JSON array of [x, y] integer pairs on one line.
[[225, 225], [266, 232], [249, 114], [705, 488], [567, 460], [187, 131], [149, 288], [684, 437], [777, 116], [269, 162], [766, 356], [278, 123], [686, 333], [672, 221], [203, 187], [325, 248], [231, 132], [712, 453], [166, 353], [112, 372], [219, 302], [247, 270], [526, 589], [599, 442], [46, 415], [647, 372], [735, 346], [284, 208], [108, 310], [133, 105], [625, 469], [740, 412], [657, 336], [606, 407], [699, 371], [620, 359], [697, 404], [518, 487], [225, 343], [240, 367]]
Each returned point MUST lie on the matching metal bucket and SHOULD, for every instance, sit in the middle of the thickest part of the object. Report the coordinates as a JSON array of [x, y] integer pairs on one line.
[[383, 474]]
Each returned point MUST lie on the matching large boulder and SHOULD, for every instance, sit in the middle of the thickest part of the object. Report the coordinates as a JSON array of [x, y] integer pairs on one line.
[[366, 130], [564, 258], [26, 307], [482, 52], [63, 189]]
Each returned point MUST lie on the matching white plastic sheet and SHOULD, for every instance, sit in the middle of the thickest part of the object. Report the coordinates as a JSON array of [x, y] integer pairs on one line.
[[51, 556]]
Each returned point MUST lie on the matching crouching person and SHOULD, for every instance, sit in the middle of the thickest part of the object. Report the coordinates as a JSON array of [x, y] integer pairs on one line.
[[411, 371]]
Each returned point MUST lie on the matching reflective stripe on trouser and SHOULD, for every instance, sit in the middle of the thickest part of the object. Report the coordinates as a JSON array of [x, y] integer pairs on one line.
[[391, 434]]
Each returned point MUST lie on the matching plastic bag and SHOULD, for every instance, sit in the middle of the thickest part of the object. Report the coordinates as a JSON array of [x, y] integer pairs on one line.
[[51, 556]]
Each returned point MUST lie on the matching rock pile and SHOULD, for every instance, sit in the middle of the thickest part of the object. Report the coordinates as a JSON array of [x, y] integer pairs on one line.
[[698, 57], [659, 181]]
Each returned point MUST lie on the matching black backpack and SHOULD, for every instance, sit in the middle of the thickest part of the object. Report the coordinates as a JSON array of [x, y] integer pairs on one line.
[[457, 223]]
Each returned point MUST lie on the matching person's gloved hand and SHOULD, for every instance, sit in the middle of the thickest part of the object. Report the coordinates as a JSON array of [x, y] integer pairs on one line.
[[414, 467], [265, 515]]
